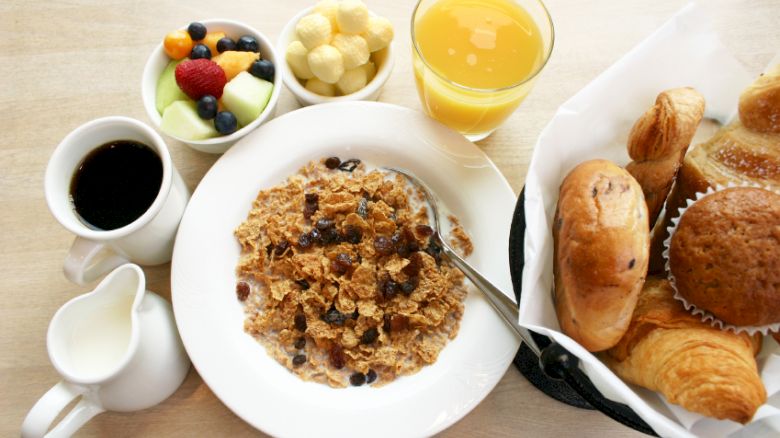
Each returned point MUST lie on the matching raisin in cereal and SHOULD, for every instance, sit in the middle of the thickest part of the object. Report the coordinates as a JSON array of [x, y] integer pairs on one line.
[[346, 286]]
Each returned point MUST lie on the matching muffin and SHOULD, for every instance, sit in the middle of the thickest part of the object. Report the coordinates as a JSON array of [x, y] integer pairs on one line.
[[725, 256]]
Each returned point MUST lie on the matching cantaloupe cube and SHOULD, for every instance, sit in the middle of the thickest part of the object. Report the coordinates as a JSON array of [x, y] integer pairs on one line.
[[234, 62], [211, 41]]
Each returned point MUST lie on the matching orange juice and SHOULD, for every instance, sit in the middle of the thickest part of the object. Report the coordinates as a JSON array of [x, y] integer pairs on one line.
[[473, 60]]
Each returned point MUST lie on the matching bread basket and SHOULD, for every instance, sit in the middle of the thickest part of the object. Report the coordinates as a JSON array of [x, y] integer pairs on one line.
[[595, 124]]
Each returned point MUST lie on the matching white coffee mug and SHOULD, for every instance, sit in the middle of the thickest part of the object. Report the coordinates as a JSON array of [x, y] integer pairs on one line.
[[116, 347], [149, 239]]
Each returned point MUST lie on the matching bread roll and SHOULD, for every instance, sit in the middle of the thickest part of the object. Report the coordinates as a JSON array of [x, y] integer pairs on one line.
[[600, 238]]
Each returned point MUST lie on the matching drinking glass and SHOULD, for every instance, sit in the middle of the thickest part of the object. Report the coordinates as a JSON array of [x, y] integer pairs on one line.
[[473, 111]]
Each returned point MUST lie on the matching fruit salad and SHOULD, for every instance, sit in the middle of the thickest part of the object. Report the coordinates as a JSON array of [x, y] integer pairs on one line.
[[333, 47], [213, 85]]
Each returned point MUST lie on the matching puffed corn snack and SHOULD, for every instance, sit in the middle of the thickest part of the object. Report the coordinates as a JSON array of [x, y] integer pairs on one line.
[[332, 51]]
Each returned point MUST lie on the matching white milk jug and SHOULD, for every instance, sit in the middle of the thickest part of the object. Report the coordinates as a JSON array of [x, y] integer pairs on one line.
[[117, 347]]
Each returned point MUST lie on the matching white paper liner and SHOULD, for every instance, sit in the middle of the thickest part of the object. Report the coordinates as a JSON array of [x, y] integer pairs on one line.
[[704, 314]]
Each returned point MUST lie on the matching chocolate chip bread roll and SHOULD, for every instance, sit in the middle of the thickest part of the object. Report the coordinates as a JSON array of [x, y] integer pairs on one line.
[[601, 239]]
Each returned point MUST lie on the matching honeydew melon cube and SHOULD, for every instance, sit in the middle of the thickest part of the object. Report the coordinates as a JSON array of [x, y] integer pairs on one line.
[[246, 97], [168, 90], [181, 119]]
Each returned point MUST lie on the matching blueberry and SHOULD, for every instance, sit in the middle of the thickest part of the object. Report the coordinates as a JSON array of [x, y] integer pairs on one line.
[[247, 43], [225, 122], [197, 31], [263, 69], [207, 107], [200, 51], [225, 44]]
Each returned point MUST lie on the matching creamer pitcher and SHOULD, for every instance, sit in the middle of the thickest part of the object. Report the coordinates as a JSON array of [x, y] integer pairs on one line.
[[117, 347]]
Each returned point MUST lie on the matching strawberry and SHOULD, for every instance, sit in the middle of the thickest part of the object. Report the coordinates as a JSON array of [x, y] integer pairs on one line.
[[200, 77]]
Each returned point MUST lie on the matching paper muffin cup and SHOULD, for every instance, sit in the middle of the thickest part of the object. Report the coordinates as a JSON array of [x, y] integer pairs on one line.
[[704, 314]]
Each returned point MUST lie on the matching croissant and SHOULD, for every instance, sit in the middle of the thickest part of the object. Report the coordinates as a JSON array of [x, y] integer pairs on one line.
[[701, 368], [759, 104], [658, 141]]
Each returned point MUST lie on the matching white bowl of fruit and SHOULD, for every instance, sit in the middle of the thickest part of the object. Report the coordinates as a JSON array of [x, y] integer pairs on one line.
[[334, 51], [211, 83]]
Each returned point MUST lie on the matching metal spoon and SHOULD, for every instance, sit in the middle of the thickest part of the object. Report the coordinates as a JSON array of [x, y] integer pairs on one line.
[[505, 306]]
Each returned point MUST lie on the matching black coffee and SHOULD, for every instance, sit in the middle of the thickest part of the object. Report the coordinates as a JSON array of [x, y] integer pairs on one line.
[[116, 183]]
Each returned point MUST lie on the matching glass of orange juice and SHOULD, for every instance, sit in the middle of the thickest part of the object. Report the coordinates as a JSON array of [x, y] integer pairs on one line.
[[476, 60]]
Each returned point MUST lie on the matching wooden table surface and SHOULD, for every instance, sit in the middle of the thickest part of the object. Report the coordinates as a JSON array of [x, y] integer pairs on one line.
[[66, 62]]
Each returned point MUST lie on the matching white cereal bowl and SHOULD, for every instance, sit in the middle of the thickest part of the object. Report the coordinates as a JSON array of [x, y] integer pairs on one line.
[[234, 29], [384, 66]]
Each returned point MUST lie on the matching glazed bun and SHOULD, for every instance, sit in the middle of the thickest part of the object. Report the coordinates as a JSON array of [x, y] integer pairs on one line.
[[601, 245], [759, 104]]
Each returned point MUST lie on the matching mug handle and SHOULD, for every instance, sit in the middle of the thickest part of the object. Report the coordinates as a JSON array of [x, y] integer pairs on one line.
[[49, 406], [82, 264]]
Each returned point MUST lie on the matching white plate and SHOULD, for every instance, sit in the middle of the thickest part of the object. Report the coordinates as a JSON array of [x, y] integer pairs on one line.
[[210, 318]]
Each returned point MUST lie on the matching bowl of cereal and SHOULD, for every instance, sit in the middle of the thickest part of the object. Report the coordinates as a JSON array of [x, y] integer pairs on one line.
[[210, 83], [351, 249], [315, 285], [336, 51]]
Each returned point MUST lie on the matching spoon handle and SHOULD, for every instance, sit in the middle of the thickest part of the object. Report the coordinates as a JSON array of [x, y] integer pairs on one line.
[[504, 305]]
